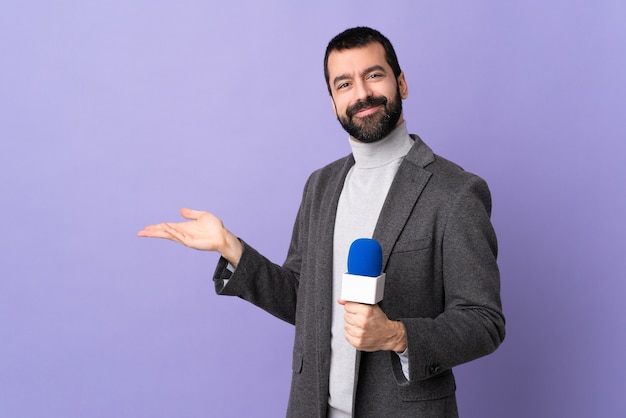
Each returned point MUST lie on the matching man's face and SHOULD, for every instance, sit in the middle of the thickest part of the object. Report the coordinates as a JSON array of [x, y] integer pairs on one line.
[[366, 96]]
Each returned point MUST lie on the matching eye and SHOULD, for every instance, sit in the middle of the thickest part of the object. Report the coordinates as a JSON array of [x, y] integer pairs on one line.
[[342, 86], [375, 75]]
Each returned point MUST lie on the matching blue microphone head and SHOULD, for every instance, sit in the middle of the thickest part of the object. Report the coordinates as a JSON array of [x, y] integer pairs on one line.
[[365, 258]]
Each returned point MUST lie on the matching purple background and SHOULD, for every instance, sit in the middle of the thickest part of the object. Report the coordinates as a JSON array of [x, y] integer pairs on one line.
[[116, 114]]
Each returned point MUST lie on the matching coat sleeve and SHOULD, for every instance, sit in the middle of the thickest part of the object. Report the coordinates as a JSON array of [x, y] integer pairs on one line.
[[471, 324], [256, 279], [260, 282]]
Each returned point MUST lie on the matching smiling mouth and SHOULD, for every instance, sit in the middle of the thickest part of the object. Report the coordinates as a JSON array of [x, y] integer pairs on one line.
[[366, 107], [367, 111]]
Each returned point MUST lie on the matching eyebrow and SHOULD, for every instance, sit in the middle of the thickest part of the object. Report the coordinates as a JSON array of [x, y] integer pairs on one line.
[[366, 71]]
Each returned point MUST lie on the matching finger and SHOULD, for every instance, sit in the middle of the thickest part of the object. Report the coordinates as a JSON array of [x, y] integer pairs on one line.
[[353, 307], [154, 231], [144, 232], [148, 230], [190, 214], [347, 318], [174, 233]]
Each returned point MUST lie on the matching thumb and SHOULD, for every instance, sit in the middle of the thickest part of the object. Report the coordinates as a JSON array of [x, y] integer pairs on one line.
[[190, 214]]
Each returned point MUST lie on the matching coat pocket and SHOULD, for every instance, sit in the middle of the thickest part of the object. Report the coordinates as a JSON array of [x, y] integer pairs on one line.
[[412, 245], [436, 387]]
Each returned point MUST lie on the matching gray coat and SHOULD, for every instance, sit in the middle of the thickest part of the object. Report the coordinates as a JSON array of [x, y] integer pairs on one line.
[[439, 256]]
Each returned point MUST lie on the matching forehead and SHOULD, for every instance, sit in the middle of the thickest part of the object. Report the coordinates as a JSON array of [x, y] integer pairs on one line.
[[355, 60]]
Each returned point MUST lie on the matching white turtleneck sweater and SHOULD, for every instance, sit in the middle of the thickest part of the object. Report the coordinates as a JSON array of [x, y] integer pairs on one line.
[[364, 192]]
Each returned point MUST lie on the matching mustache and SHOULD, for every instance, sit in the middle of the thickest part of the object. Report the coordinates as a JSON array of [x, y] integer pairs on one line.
[[364, 104]]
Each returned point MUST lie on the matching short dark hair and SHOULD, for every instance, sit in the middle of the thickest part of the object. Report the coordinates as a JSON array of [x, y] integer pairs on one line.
[[359, 37]]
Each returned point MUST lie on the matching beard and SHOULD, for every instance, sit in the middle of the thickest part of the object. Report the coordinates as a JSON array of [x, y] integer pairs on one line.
[[374, 127]]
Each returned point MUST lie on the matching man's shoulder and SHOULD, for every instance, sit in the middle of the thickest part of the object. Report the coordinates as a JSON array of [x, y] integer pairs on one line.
[[444, 173], [332, 169]]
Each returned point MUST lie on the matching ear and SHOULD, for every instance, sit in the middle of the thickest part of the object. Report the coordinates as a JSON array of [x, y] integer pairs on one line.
[[332, 100], [402, 86]]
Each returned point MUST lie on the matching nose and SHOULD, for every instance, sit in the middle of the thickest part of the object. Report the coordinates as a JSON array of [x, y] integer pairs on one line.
[[362, 90]]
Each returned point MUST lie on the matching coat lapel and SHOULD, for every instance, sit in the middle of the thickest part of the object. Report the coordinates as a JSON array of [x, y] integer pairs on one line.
[[402, 196]]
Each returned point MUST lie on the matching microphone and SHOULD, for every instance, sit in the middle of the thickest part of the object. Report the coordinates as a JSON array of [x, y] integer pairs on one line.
[[364, 282]]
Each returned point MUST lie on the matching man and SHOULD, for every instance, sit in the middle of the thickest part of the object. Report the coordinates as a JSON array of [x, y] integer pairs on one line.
[[441, 306]]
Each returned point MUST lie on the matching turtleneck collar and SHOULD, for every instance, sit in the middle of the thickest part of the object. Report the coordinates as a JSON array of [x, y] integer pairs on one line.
[[379, 153]]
